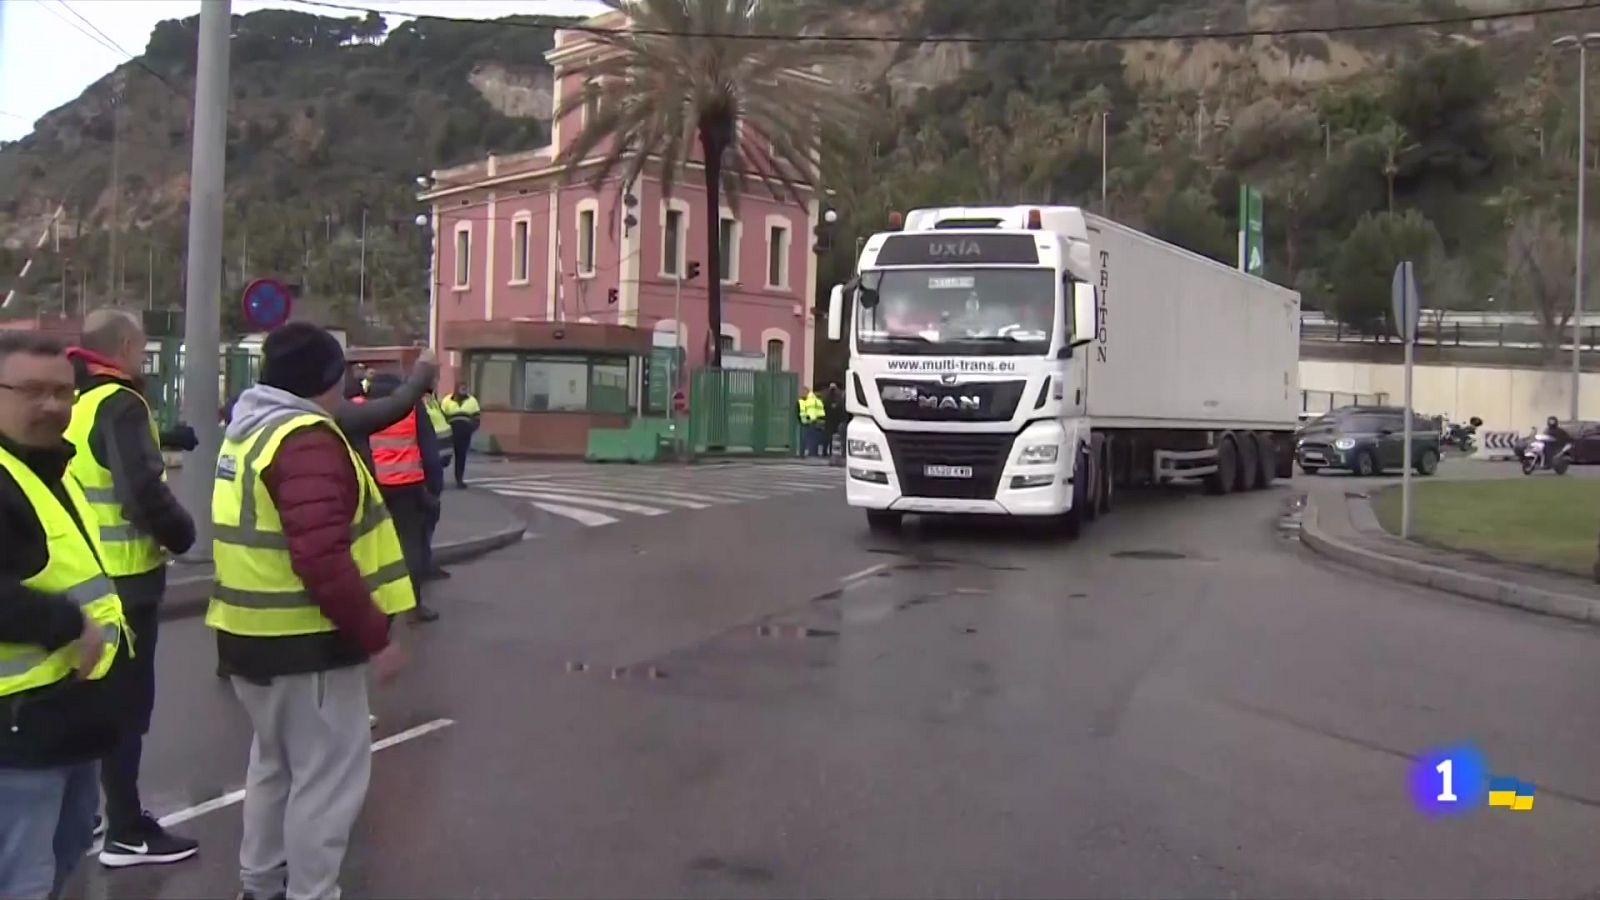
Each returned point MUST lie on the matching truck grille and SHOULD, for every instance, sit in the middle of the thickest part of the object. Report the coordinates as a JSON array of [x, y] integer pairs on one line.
[[931, 401], [986, 454]]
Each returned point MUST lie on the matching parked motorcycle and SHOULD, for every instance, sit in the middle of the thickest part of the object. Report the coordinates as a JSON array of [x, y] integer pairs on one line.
[[1462, 437], [1536, 455]]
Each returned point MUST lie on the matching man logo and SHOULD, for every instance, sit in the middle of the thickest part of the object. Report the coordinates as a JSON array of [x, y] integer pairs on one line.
[[966, 403], [948, 379]]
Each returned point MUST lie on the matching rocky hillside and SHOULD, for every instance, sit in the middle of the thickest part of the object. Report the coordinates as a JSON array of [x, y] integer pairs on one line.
[[1438, 140]]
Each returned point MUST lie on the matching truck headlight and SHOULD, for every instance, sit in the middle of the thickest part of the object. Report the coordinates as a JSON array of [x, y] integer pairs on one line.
[[1344, 443], [863, 449], [1039, 454]]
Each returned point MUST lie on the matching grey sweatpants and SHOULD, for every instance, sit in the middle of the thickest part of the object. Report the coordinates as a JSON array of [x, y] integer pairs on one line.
[[309, 766]]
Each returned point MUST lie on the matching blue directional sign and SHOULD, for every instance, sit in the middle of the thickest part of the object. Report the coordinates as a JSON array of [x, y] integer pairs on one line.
[[267, 303]]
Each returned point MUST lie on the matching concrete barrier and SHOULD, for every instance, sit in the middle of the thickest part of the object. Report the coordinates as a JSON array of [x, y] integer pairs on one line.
[[1497, 445]]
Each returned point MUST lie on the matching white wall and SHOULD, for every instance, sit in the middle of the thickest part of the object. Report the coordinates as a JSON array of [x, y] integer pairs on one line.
[[1506, 399]]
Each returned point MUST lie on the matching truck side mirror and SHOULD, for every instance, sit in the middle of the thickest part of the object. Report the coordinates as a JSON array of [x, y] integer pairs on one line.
[[836, 312], [1085, 312]]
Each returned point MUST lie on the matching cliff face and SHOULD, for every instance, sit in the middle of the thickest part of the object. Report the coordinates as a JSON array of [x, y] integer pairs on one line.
[[330, 117]]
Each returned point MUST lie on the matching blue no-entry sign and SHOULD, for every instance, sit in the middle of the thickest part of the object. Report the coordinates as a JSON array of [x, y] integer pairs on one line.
[[267, 303]]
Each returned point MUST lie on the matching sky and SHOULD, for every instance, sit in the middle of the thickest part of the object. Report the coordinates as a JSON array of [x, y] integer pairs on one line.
[[48, 55]]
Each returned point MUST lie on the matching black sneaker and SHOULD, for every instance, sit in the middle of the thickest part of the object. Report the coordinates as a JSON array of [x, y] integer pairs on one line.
[[436, 575], [423, 614], [150, 845]]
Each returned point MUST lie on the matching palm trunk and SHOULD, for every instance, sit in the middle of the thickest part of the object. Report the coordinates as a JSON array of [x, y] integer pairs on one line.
[[712, 144]]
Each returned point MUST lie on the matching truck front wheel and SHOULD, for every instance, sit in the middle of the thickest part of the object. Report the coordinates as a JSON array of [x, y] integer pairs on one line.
[[1222, 480], [882, 521]]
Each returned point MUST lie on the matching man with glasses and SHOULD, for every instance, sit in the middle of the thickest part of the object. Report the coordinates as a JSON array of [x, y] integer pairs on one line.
[[61, 629]]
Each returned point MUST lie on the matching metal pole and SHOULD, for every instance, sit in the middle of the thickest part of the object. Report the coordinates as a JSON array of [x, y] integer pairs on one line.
[[1409, 336], [1105, 156], [1577, 287], [112, 283], [150, 278], [361, 287], [677, 328], [202, 320]]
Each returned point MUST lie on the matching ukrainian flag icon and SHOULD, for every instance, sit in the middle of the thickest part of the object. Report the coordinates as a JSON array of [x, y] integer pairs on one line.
[[1510, 793]]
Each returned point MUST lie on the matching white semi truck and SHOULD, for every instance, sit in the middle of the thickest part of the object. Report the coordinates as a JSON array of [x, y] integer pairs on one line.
[[1028, 360]]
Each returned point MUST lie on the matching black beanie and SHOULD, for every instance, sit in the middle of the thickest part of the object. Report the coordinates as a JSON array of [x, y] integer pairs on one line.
[[301, 358]]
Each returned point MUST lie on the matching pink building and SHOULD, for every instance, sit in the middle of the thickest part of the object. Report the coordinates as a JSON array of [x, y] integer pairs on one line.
[[517, 246]]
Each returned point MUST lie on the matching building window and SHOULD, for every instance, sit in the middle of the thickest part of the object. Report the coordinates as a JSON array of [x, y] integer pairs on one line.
[[591, 102], [546, 382], [586, 238], [775, 355], [726, 343], [519, 250], [777, 256], [493, 378], [672, 243], [728, 237], [463, 255]]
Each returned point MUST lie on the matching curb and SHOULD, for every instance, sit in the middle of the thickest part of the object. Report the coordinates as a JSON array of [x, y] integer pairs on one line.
[[1475, 587], [188, 597]]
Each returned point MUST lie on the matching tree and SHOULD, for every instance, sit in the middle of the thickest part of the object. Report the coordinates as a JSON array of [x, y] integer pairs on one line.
[[693, 72], [1395, 143], [1540, 269], [1364, 266]]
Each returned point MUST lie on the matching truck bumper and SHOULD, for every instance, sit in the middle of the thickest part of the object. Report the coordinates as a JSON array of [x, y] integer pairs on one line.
[[1024, 489]]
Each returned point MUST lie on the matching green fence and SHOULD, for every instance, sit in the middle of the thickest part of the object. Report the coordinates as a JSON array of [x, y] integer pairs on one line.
[[163, 375], [743, 411]]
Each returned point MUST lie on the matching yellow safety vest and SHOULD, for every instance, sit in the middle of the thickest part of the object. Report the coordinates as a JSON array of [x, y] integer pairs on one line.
[[811, 408], [256, 592], [126, 550], [456, 409], [73, 571], [441, 425]]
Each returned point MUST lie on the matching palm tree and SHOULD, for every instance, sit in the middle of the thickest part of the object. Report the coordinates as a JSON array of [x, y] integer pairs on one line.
[[711, 72]]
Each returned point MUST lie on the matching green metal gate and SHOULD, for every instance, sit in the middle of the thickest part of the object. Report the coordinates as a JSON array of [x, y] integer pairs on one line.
[[163, 377], [743, 411]]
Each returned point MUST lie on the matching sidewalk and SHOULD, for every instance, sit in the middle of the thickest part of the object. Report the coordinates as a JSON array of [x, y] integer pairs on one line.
[[474, 522], [1342, 526]]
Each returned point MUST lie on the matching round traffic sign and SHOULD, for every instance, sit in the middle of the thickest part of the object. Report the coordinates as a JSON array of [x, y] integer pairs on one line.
[[267, 303]]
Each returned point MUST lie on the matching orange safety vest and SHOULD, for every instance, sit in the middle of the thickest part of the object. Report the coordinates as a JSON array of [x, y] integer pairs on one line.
[[396, 455]]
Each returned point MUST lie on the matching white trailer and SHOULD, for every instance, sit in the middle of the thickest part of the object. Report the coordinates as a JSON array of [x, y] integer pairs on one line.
[[1028, 360]]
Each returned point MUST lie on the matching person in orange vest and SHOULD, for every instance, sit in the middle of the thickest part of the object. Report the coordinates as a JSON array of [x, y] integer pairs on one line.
[[405, 461]]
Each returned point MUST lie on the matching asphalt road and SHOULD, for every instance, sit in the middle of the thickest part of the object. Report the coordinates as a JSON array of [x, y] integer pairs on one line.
[[1182, 703]]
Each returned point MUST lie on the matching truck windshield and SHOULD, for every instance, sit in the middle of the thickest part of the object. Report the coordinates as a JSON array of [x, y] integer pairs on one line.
[[977, 311]]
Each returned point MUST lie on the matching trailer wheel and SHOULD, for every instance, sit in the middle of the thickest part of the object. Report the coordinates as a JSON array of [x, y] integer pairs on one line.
[[1284, 456], [1094, 476], [1222, 480], [1249, 463], [1267, 452], [1108, 477]]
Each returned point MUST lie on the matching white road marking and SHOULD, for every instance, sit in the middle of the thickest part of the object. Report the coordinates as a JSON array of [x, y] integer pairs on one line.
[[583, 516], [233, 797], [868, 572], [582, 498], [617, 493]]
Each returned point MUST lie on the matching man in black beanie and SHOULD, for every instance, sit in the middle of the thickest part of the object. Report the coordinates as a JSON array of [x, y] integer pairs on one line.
[[309, 570]]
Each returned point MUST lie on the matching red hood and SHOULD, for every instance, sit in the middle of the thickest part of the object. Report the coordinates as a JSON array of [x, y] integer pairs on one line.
[[97, 364]]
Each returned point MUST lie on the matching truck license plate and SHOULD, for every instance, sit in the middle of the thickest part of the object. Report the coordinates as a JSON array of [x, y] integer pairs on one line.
[[947, 471]]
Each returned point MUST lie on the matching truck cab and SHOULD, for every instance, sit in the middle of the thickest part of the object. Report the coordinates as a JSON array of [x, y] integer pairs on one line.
[[969, 335]]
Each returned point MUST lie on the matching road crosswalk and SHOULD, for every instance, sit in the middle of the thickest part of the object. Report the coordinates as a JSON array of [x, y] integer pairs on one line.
[[595, 496]]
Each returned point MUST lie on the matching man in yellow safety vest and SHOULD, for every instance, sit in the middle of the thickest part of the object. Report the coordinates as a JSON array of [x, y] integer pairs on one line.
[[463, 411], [61, 629], [309, 571], [812, 412], [119, 464]]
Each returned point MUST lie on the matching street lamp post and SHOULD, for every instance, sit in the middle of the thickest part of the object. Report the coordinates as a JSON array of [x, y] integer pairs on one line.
[[1582, 42]]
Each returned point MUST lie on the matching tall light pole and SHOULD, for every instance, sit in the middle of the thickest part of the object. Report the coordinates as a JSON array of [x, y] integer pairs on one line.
[[1582, 42], [202, 316]]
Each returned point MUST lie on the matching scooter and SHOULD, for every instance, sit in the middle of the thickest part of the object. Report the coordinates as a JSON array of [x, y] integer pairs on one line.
[[1535, 456]]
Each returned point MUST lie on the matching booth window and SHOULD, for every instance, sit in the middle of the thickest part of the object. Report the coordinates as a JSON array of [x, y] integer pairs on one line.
[[546, 382]]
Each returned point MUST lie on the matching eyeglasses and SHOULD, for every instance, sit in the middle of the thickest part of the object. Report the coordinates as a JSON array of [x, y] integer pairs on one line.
[[39, 392]]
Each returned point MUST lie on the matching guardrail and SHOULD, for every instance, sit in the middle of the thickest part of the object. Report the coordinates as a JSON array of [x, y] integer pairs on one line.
[[1510, 335]]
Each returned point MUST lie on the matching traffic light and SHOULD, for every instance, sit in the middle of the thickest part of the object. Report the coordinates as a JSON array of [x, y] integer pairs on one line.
[[611, 296], [694, 270]]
